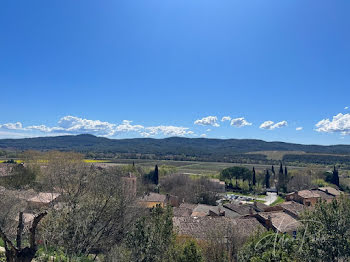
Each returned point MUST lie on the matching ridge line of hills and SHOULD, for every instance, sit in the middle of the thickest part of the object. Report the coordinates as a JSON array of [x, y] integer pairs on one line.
[[172, 145]]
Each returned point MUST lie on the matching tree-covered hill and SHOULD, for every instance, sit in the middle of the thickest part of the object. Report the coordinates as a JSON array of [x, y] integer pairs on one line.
[[166, 146]]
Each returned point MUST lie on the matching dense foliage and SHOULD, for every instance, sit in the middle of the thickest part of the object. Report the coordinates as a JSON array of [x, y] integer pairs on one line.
[[324, 235]]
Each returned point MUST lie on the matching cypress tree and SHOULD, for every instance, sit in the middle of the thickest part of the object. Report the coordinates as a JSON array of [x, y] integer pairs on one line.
[[285, 171], [254, 178], [281, 169], [273, 170], [156, 175], [281, 179], [335, 178], [267, 179]]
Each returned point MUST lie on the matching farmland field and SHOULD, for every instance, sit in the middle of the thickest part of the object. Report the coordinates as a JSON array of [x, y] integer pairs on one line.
[[191, 167]]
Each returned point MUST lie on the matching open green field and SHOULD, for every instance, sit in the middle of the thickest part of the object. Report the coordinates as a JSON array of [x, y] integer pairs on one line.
[[191, 167], [277, 155]]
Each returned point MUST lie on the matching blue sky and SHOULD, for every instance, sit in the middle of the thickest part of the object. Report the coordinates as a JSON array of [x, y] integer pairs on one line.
[[69, 67]]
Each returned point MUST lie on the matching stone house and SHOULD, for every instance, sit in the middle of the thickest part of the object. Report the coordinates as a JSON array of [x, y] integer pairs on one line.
[[152, 199], [278, 221]]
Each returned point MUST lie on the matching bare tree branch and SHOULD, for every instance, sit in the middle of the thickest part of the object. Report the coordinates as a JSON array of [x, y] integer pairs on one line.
[[32, 229]]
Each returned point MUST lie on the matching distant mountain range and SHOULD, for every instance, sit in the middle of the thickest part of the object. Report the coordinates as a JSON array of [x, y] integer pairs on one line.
[[166, 146]]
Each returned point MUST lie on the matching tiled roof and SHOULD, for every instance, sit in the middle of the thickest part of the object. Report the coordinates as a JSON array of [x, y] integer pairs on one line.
[[184, 210], [293, 207], [188, 206], [324, 195], [154, 197], [241, 208], [181, 212], [204, 227], [281, 221], [203, 210], [259, 206], [330, 190], [308, 194], [44, 198]]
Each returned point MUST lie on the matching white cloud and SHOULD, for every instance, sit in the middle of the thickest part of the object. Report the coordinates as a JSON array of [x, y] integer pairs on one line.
[[203, 135], [346, 108], [126, 126], [299, 128], [12, 126], [166, 131], [240, 122], [76, 125], [41, 128], [225, 118], [339, 124], [270, 125], [207, 121]]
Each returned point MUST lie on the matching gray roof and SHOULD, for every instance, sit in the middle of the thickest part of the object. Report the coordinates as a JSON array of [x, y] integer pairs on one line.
[[242, 209], [153, 197], [205, 227]]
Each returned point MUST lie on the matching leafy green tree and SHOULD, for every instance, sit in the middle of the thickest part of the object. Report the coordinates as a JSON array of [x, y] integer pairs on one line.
[[236, 172], [152, 237], [190, 252], [268, 247], [325, 235]]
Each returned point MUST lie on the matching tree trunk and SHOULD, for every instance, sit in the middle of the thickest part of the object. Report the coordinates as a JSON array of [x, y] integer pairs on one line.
[[24, 255], [16, 253]]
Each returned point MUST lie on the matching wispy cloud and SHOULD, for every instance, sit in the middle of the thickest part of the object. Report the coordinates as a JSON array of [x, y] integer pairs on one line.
[[226, 118], [166, 131], [270, 125], [12, 126], [299, 128]]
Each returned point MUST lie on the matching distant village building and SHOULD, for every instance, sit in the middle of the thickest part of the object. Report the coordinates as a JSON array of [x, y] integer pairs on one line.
[[152, 199], [245, 209], [217, 185], [310, 197], [184, 210], [206, 227], [290, 207], [205, 210], [278, 221], [6, 169], [130, 185], [43, 200]]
